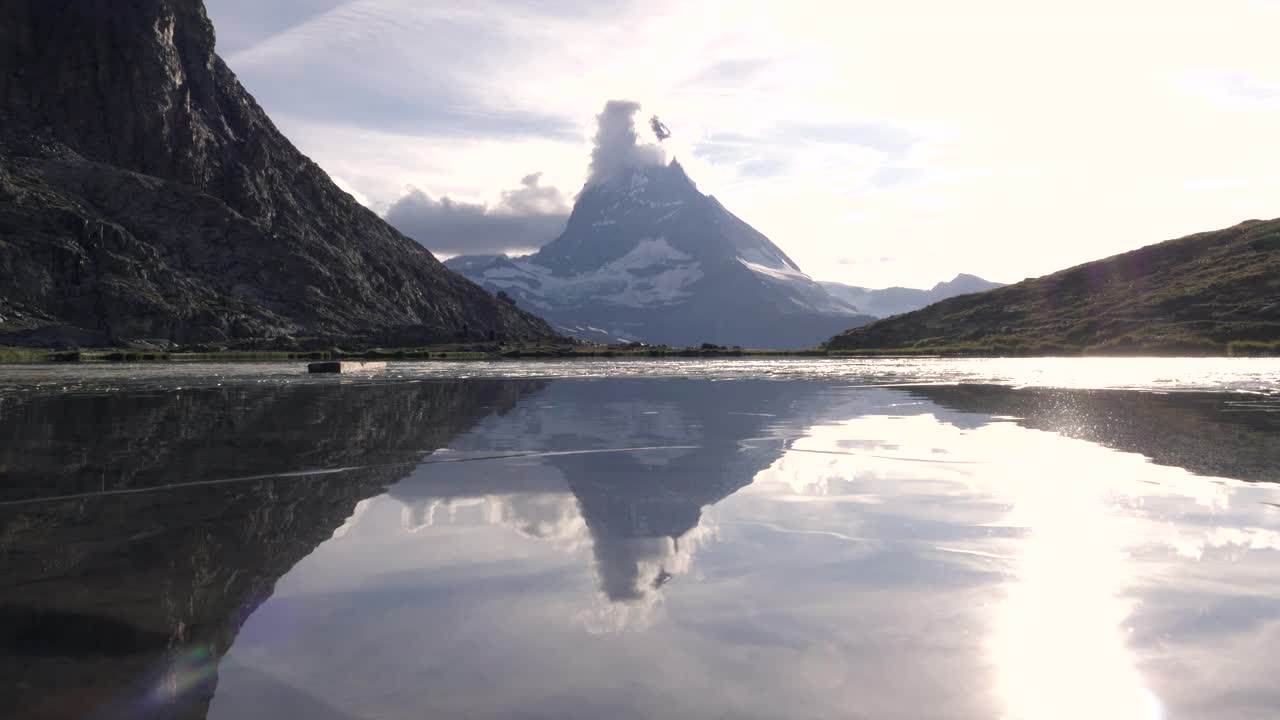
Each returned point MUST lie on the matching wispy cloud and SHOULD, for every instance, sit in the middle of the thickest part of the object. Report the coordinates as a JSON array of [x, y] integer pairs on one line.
[[242, 24], [854, 155], [1237, 90], [865, 260], [439, 69]]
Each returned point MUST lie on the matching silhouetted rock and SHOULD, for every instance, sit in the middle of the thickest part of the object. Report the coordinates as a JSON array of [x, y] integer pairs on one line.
[[145, 194]]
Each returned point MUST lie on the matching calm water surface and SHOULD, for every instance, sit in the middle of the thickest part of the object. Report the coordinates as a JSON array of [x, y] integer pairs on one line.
[[741, 539]]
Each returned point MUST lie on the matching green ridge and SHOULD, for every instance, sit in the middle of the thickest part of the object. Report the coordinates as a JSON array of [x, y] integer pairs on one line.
[[1213, 293]]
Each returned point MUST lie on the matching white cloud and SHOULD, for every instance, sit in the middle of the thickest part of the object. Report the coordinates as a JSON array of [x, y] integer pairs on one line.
[[1235, 90], [523, 219]]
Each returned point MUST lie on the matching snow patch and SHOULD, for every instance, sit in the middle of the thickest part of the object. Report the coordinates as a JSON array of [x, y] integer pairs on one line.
[[651, 252], [785, 275], [652, 274]]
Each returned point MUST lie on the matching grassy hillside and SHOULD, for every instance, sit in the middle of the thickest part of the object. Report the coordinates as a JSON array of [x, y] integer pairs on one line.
[[1209, 293]]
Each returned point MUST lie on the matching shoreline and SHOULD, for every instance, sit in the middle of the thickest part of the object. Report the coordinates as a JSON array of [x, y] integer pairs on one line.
[[22, 356]]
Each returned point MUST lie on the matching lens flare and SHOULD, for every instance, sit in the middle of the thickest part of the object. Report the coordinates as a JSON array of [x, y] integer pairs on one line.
[[189, 670]]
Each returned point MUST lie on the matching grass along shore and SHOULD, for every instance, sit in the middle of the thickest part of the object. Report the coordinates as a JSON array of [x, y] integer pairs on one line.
[[21, 355], [13, 355]]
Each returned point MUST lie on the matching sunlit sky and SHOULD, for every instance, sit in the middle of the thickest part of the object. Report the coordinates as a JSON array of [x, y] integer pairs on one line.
[[876, 143]]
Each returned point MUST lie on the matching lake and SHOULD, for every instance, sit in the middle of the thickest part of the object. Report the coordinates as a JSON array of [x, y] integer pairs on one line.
[[909, 538]]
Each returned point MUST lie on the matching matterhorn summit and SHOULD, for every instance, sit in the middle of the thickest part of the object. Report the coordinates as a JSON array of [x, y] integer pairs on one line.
[[647, 257]]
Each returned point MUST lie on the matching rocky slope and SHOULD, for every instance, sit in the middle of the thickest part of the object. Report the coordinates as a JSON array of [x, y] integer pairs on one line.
[[145, 194], [884, 302], [1211, 292], [646, 256]]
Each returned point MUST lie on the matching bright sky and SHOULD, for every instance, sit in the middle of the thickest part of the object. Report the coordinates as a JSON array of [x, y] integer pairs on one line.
[[877, 143]]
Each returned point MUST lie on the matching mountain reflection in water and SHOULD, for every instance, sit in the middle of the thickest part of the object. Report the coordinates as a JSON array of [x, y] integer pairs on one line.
[[636, 548], [119, 603]]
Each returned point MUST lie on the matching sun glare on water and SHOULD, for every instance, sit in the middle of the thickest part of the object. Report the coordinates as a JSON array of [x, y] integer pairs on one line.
[[1060, 640]]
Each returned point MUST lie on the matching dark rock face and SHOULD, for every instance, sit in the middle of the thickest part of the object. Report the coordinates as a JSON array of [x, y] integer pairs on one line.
[[646, 256], [120, 606], [145, 194]]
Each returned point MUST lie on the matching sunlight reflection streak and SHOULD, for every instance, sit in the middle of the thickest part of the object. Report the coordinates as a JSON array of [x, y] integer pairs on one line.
[[1058, 643]]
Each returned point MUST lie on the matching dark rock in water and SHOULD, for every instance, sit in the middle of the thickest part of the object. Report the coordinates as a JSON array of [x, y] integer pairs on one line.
[[341, 366], [145, 194]]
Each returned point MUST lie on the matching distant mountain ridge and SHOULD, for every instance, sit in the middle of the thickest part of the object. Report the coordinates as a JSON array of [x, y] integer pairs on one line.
[[646, 256], [144, 194], [897, 300], [1210, 292]]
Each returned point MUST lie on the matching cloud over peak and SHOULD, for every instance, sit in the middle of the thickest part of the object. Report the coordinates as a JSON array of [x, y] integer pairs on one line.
[[617, 145]]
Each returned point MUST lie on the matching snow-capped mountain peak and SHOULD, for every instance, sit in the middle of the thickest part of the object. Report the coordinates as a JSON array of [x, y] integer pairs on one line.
[[646, 256]]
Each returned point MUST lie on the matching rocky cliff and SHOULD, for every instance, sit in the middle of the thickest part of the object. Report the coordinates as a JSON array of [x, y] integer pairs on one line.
[[145, 194]]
